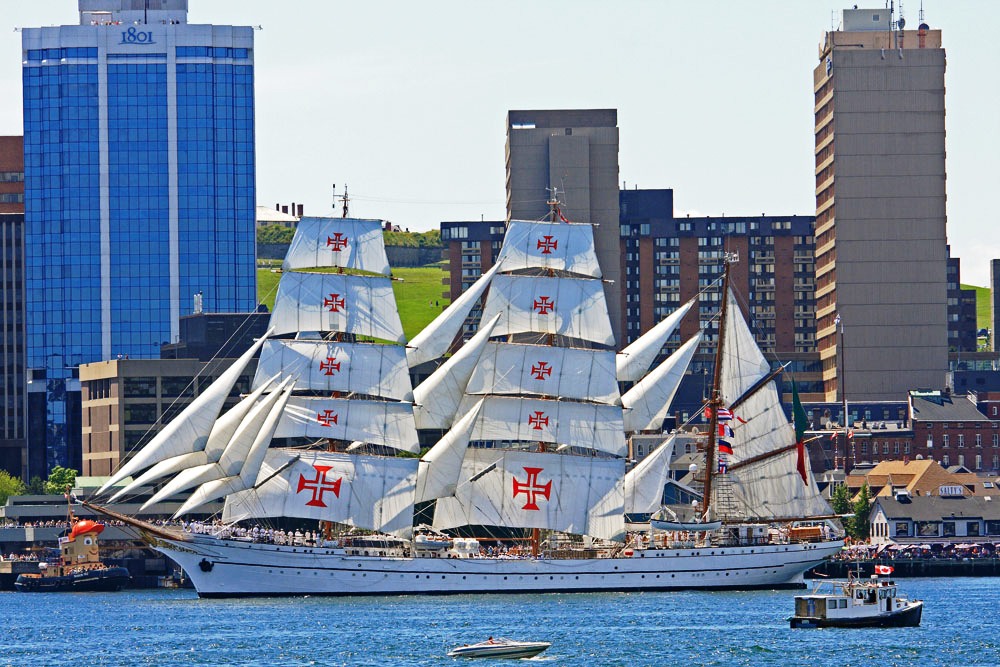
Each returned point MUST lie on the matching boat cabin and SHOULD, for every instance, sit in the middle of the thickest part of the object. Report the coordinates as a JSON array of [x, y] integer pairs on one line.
[[845, 600]]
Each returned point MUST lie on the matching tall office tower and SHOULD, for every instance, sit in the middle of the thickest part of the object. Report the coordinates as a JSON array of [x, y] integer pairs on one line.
[[880, 207], [139, 189], [13, 444], [575, 151]]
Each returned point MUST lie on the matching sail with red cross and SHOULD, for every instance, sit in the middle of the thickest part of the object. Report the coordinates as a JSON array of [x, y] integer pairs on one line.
[[557, 246], [349, 244]]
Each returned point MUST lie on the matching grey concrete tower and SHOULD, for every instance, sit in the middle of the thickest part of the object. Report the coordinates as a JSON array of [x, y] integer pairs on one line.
[[881, 253], [575, 151]]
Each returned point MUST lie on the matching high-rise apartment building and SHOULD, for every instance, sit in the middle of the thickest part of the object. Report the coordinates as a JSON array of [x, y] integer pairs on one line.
[[575, 152], [880, 207], [14, 456], [139, 188]]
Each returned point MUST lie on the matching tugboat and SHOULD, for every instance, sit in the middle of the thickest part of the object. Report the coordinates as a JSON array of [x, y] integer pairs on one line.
[[856, 603], [80, 567]]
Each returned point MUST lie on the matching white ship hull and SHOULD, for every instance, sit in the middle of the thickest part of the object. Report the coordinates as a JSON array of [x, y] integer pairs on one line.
[[230, 568]]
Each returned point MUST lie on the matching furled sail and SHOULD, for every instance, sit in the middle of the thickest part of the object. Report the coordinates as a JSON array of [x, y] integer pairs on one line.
[[327, 366], [437, 398], [441, 465], [382, 423], [644, 483], [573, 494], [583, 425], [557, 246], [573, 307], [635, 360], [546, 370], [360, 305], [373, 493], [435, 339], [245, 476], [189, 430], [347, 243], [646, 404]]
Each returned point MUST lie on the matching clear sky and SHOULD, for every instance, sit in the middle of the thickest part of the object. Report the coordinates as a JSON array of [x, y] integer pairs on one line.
[[406, 101]]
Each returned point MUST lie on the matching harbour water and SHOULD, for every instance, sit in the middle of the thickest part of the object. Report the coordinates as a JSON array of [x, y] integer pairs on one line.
[[174, 627]]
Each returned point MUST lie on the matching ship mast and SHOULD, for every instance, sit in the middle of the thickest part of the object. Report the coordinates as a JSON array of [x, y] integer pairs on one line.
[[715, 402]]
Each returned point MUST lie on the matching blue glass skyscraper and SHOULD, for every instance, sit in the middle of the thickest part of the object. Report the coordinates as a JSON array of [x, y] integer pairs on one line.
[[139, 189]]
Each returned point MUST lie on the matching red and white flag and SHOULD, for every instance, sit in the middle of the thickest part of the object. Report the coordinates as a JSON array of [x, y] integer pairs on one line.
[[883, 569]]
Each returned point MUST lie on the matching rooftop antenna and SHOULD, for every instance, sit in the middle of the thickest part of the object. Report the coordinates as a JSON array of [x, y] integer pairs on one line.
[[333, 204], [921, 15], [345, 199]]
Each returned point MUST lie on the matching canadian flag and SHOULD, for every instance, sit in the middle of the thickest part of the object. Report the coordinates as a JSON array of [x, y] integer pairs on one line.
[[883, 569]]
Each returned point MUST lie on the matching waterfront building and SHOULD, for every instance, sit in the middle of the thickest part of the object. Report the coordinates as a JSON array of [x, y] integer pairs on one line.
[[951, 429], [948, 516], [962, 328], [139, 190], [880, 206], [575, 151], [14, 454]]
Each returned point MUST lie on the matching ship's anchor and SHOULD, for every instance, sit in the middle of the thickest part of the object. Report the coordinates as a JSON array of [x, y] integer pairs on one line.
[[206, 565]]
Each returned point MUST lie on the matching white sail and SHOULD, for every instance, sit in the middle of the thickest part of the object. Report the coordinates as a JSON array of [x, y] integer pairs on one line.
[[245, 476], [189, 430], [573, 494], [435, 339], [326, 366], [361, 305], [550, 245], [573, 307], [644, 483], [376, 422], [774, 489], [220, 436], [437, 398], [232, 457], [743, 364], [347, 243], [634, 360], [646, 404], [373, 493], [584, 425], [440, 466], [545, 370]]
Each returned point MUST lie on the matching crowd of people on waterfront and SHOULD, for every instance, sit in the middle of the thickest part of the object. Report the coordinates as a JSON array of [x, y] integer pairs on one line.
[[938, 551]]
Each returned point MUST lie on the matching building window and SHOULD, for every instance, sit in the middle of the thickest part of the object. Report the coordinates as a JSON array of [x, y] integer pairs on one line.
[[979, 461], [961, 440], [979, 440], [944, 440], [902, 529], [996, 439], [972, 528], [895, 447], [906, 448], [961, 460], [947, 529], [945, 460], [885, 447]]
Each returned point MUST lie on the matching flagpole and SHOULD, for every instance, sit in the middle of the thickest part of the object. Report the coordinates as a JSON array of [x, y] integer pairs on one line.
[[842, 353]]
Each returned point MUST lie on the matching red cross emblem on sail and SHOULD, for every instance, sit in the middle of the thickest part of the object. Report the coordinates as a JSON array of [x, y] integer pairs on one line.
[[327, 417], [337, 242], [532, 489], [547, 244], [541, 370], [319, 486], [329, 366], [543, 305], [334, 302], [538, 420]]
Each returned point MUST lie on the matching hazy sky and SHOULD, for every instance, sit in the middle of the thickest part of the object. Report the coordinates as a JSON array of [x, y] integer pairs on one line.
[[406, 101]]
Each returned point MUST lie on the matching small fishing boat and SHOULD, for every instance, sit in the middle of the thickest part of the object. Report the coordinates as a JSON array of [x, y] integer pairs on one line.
[[856, 603], [499, 648]]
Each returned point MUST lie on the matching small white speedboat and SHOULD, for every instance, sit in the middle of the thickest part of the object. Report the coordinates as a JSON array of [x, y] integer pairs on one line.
[[499, 648]]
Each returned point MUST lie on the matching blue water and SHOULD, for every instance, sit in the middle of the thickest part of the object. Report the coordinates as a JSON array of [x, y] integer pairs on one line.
[[961, 626]]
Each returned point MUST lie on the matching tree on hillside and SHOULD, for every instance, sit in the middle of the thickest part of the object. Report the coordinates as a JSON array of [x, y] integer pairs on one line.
[[840, 501], [36, 486], [275, 234], [59, 479], [9, 486], [862, 511]]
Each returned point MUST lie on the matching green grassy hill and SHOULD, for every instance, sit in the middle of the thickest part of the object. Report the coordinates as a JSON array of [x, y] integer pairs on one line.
[[418, 294], [982, 306]]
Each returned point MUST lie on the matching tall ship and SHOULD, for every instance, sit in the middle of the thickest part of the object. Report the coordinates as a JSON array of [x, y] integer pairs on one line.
[[534, 442]]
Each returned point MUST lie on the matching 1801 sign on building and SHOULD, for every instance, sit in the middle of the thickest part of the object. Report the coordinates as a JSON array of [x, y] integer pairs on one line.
[[133, 36]]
